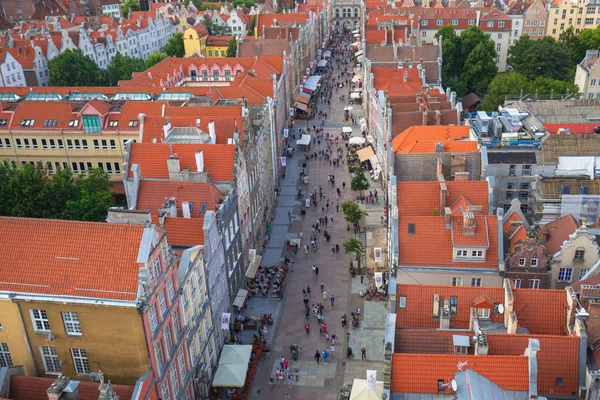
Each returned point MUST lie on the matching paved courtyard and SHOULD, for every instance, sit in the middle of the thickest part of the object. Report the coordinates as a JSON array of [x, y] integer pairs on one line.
[[326, 378]]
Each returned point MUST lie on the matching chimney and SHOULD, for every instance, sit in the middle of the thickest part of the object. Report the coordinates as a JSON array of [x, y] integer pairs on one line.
[[439, 147], [200, 161], [481, 343], [63, 388], [448, 217], [461, 176], [443, 195], [513, 323], [469, 226], [171, 207], [187, 209], [424, 118], [164, 107], [161, 217], [141, 118], [438, 117], [445, 317], [439, 172], [167, 128], [173, 165], [211, 132], [531, 353]]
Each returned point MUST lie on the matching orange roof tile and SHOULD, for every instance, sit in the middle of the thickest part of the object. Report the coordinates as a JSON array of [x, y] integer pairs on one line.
[[181, 231], [478, 239], [431, 244], [403, 142], [70, 258], [421, 198], [34, 388], [101, 106], [541, 311], [269, 20], [419, 304], [559, 231], [420, 373], [152, 158], [41, 111], [558, 357]]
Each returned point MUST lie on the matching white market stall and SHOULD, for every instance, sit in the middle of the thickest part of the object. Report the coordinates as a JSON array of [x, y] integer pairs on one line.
[[346, 129], [322, 64], [356, 140], [312, 83], [233, 366], [365, 154], [304, 140], [348, 108], [360, 391], [327, 54]]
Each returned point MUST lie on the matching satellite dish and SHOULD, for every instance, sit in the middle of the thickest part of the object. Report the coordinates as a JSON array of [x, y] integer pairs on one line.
[[454, 385], [500, 308]]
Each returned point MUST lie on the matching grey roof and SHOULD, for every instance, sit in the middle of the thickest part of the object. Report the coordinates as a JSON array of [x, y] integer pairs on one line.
[[474, 386], [511, 157], [562, 111]]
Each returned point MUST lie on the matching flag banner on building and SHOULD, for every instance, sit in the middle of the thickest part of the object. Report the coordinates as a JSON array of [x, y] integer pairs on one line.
[[252, 255], [371, 379], [225, 321], [378, 279], [377, 251], [286, 133], [283, 161]]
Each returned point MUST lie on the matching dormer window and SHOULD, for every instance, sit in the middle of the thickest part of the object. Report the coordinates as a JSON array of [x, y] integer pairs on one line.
[[3, 122], [483, 313], [133, 123], [113, 123], [50, 123], [27, 122], [522, 261], [74, 123]]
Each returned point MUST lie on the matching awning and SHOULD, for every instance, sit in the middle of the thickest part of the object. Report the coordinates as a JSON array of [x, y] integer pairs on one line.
[[327, 54], [348, 108], [311, 83], [355, 31], [356, 35], [358, 53], [357, 77], [303, 98], [356, 140], [322, 64], [359, 59], [233, 366], [360, 391], [301, 106], [347, 129], [305, 140], [251, 273], [356, 44], [355, 95], [365, 154], [240, 299]]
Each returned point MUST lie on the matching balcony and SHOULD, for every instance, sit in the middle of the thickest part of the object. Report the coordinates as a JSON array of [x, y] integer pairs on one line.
[[207, 79]]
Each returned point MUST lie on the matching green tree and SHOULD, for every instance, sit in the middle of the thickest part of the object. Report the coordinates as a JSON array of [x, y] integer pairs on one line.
[[570, 40], [154, 58], [129, 5], [57, 192], [214, 29], [480, 69], [544, 57], [174, 46], [544, 85], [93, 200], [73, 68], [359, 181], [232, 47], [352, 212], [121, 67], [25, 187], [252, 26], [354, 246], [503, 85]]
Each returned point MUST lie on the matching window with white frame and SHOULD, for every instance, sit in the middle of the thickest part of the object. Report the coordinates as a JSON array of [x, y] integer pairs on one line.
[[534, 262], [71, 321], [522, 261], [454, 22], [174, 380], [476, 281], [471, 22], [40, 321], [182, 368], [164, 388], [439, 22], [490, 24], [50, 359], [160, 359], [402, 302], [565, 274], [579, 255], [582, 273], [163, 302], [5, 359], [500, 24], [534, 284], [477, 253], [170, 288], [175, 317], [517, 283], [168, 339], [457, 281], [483, 312], [80, 360], [462, 253], [153, 318]]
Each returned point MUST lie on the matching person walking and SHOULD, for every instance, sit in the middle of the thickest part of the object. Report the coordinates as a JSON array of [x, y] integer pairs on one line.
[[307, 328], [362, 278], [337, 248], [296, 373], [363, 352], [318, 356], [281, 361], [332, 299], [271, 383], [290, 381], [314, 268], [317, 271], [322, 287]]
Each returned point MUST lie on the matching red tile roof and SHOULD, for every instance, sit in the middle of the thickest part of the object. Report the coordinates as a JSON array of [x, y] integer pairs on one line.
[[404, 142], [542, 312], [419, 304], [420, 373], [181, 231], [34, 388], [478, 239], [573, 128], [70, 258], [558, 357], [41, 111], [269, 20], [559, 231], [421, 198], [431, 244], [152, 158]]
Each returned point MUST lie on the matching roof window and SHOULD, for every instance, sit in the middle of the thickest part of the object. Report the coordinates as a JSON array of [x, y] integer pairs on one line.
[[412, 229], [50, 123], [3, 121], [133, 123], [114, 123], [74, 123], [27, 122]]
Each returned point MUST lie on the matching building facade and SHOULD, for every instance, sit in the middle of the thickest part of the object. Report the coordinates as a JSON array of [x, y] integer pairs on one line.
[[579, 14], [587, 75], [576, 257], [11, 72]]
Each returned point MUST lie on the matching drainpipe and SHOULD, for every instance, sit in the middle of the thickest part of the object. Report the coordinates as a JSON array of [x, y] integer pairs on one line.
[[37, 370]]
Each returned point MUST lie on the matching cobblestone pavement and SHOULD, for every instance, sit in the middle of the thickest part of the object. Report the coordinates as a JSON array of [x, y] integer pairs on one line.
[[326, 378]]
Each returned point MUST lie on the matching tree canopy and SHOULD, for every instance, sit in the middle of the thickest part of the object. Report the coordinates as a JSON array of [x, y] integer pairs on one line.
[[129, 5], [174, 46], [252, 25], [154, 58], [354, 246], [73, 68], [247, 3], [122, 66], [216, 30], [578, 44], [544, 57], [352, 212], [469, 60], [28, 191], [232, 47], [359, 181]]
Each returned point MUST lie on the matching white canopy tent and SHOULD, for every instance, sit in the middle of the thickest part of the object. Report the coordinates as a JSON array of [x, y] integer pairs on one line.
[[304, 140], [348, 108], [360, 391], [233, 366], [312, 83], [356, 35], [355, 31], [347, 129], [355, 95], [356, 140], [327, 54], [358, 53], [322, 64], [357, 77]]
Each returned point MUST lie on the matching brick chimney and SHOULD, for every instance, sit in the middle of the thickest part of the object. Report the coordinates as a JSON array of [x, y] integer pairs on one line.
[[461, 176], [424, 118], [469, 226], [531, 353], [443, 195], [63, 388], [448, 217]]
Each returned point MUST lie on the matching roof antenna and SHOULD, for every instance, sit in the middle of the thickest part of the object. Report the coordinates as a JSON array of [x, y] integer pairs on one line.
[[171, 148]]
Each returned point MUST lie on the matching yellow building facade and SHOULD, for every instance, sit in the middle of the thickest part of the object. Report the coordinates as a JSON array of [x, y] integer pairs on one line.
[[14, 347], [576, 13], [216, 46], [76, 339], [194, 41]]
